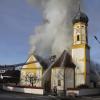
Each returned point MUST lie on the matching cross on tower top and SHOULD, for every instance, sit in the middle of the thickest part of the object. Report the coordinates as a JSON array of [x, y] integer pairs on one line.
[[79, 5]]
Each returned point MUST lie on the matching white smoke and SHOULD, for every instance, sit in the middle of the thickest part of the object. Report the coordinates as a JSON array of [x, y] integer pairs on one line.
[[55, 34]]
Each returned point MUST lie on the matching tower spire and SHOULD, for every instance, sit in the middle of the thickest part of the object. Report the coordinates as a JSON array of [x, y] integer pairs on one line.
[[80, 16], [79, 5]]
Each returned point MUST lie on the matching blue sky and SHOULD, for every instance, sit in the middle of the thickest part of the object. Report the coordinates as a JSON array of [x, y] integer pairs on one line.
[[17, 22], [92, 8]]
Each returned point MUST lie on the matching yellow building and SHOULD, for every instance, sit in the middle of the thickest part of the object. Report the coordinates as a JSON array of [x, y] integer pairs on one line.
[[81, 49], [32, 72]]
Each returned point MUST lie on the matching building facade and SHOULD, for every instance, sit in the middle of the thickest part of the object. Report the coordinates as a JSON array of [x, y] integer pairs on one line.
[[81, 49], [31, 74], [63, 73]]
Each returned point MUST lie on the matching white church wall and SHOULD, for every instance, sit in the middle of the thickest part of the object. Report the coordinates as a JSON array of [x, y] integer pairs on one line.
[[69, 78], [57, 78], [78, 58], [78, 55]]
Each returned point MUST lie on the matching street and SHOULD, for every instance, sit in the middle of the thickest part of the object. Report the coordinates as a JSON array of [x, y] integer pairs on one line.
[[20, 96]]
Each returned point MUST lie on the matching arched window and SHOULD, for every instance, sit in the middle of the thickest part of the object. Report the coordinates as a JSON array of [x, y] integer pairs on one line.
[[78, 37]]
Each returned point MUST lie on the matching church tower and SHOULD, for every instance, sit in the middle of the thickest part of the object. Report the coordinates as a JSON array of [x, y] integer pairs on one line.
[[81, 49]]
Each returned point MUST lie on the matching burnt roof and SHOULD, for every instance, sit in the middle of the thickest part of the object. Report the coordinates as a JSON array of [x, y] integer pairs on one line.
[[42, 61], [64, 60]]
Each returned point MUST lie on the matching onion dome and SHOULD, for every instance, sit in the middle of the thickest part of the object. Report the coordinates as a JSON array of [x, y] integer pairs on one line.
[[80, 17]]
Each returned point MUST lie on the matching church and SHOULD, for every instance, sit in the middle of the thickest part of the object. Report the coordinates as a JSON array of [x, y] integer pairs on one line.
[[81, 49], [69, 70]]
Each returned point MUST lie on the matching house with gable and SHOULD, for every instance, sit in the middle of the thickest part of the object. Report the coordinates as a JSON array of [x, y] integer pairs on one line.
[[32, 72]]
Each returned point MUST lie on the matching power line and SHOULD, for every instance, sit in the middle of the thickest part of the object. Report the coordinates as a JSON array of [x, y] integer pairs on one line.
[[95, 37]]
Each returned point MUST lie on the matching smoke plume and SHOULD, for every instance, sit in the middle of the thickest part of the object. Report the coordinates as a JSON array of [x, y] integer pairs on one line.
[[54, 35]]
